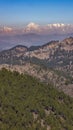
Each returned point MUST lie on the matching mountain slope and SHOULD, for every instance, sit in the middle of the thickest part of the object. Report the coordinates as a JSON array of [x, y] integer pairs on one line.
[[58, 79], [27, 104], [55, 55], [12, 55]]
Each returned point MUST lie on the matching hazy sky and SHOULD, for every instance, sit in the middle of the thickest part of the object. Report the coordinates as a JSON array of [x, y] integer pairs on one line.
[[38, 11]]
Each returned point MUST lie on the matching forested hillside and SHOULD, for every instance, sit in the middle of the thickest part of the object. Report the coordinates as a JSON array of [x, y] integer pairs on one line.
[[27, 104]]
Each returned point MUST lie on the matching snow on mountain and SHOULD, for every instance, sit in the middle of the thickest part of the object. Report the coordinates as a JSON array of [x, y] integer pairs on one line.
[[45, 29]]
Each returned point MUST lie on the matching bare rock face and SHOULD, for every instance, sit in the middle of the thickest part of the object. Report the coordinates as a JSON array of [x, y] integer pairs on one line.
[[55, 55], [67, 44], [68, 41], [53, 51]]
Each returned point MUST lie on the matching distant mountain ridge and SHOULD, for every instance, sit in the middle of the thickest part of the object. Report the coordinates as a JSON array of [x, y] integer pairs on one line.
[[54, 54], [31, 48], [8, 41], [51, 62]]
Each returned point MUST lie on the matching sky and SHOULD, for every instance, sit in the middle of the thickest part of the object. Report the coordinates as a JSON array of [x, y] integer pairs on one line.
[[34, 22], [22, 12]]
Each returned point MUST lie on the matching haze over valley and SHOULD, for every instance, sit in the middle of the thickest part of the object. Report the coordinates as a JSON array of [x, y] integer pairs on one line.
[[33, 34]]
